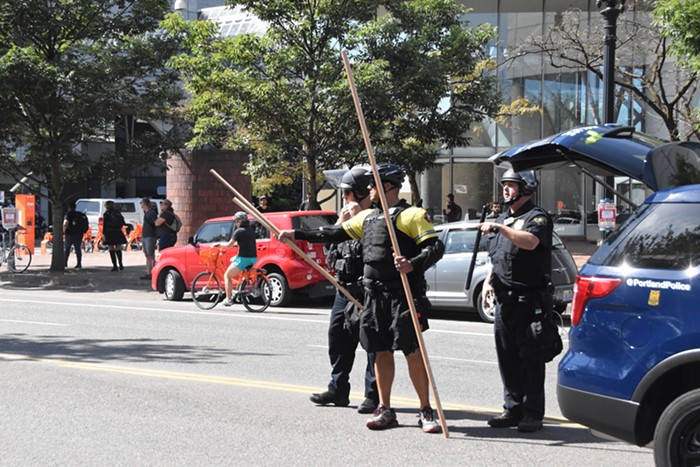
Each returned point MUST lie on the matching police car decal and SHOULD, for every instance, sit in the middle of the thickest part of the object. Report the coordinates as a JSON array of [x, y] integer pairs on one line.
[[651, 284]]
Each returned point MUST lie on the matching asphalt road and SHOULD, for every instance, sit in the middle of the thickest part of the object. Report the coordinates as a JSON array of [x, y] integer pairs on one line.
[[117, 376]]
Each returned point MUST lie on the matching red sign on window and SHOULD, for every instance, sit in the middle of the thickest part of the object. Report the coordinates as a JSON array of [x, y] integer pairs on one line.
[[607, 213]]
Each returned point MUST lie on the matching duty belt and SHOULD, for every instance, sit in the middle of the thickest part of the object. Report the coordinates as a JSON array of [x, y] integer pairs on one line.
[[381, 286], [518, 296]]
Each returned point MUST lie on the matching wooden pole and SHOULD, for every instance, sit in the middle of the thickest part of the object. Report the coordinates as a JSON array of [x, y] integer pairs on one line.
[[394, 242], [248, 207]]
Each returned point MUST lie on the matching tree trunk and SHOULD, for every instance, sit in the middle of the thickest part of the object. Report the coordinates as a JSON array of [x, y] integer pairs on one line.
[[58, 262], [415, 191]]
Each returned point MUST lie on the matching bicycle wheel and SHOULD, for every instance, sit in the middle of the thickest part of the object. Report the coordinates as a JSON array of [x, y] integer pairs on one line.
[[256, 297], [206, 290], [19, 258]]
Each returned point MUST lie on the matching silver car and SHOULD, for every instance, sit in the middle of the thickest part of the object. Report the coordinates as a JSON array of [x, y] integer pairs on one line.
[[447, 279]]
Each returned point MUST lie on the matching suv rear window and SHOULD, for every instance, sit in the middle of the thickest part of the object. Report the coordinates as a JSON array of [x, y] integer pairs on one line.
[[649, 240], [125, 207]]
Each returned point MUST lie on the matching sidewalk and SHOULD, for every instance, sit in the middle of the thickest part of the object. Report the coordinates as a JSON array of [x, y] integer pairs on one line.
[[95, 273]]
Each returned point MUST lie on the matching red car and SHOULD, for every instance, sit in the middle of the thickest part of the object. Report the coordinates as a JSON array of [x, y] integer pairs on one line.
[[289, 274]]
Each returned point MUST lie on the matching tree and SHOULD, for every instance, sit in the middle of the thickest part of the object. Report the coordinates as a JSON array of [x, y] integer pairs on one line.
[[644, 71], [284, 95], [71, 72], [680, 21]]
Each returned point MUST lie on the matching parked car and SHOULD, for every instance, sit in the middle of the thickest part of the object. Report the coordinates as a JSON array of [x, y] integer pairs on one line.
[[447, 279], [130, 208], [289, 275], [632, 370]]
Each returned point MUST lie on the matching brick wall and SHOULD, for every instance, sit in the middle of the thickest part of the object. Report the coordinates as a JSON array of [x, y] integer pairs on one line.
[[196, 194]]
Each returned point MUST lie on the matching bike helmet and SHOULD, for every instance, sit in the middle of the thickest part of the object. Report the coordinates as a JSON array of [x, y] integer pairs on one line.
[[527, 180], [356, 180], [391, 173], [240, 216]]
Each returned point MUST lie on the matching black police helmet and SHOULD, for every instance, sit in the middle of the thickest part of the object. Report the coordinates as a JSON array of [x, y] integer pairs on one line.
[[527, 180], [356, 180], [391, 173]]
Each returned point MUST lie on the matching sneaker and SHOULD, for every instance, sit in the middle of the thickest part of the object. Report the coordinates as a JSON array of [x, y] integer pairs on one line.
[[427, 421], [121, 267], [77, 266], [114, 269], [529, 425], [228, 302], [505, 420], [384, 417], [326, 398], [368, 405]]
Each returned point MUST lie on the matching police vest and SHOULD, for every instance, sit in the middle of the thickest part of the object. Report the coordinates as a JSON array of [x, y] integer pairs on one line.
[[346, 260], [516, 268], [376, 241]]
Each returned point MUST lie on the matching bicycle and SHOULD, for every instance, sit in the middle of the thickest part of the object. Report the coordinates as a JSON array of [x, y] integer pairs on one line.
[[253, 288], [17, 256]]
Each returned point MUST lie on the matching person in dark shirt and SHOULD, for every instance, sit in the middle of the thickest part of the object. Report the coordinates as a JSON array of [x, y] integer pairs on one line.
[[73, 237], [452, 211], [264, 205], [244, 238], [148, 235], [520, 248], [114, 238], [167, 237]]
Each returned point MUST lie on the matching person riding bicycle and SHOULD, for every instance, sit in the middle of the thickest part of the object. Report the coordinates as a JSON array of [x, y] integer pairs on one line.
[[244, 238]]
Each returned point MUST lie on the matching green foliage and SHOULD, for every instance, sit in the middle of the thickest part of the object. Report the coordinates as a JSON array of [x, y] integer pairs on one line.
[[74, 71], [284, 95], [680, 20]]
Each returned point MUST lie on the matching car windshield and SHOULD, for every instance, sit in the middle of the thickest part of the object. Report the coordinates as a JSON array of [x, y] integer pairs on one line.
[[660, 236]]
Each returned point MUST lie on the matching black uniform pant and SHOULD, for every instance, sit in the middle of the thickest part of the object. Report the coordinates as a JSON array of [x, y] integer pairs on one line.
[[341, 350], [519, 361], [74, 240]]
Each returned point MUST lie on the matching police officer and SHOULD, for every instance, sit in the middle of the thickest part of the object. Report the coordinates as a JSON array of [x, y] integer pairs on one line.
[[346, 260], [520, 244], [385, 324]]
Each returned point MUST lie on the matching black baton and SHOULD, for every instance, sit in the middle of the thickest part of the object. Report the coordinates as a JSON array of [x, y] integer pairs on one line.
[[476, 249]]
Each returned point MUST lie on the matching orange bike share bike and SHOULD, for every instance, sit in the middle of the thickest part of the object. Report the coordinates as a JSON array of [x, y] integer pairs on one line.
[[252, 288]]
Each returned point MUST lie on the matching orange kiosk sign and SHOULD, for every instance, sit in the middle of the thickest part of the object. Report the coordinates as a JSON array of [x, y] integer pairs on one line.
[[27, 209]]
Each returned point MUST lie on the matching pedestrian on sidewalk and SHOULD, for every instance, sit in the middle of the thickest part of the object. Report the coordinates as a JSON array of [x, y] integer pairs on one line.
[[148, 235], [114, 237], [167, 237], [74, 226]]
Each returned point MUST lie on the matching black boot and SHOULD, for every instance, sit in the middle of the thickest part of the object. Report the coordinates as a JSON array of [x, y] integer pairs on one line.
[[113, 257], [119, 258]]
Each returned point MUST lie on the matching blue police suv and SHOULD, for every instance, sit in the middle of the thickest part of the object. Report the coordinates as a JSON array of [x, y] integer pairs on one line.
[[632, 370]]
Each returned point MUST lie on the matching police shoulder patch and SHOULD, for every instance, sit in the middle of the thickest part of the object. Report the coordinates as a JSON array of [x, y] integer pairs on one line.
[[539, 220]]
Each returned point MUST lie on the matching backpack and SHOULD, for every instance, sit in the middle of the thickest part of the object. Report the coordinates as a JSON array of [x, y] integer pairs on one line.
[[81, 223], [177, 223]]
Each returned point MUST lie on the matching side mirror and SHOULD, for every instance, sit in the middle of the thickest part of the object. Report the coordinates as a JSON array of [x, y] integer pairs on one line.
[[190, 241]]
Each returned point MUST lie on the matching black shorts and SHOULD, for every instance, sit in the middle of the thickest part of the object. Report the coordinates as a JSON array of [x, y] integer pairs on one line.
[[386, 324]]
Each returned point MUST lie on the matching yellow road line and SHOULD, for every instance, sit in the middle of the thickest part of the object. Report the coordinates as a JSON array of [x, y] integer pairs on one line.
[[250, 383]]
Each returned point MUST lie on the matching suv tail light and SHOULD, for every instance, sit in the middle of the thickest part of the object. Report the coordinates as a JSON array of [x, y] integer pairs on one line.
[[100, 221], [585, 289]]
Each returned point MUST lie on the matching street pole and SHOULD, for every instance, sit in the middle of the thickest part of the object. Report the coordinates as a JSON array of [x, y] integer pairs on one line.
[[613, 9]]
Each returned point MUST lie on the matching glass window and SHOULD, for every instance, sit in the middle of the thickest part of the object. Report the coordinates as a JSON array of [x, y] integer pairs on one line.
[[312, 222], [125, 207], [462, 241], [662, 236], [88, 207], [212, 232]]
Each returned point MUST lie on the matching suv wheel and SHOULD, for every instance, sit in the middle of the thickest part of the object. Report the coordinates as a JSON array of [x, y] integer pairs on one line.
[[174, 286], [281, 293], [677, 437]]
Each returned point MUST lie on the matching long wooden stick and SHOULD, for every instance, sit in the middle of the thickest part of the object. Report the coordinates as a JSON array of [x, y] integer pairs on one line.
[[248, 207], [394, 242]]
